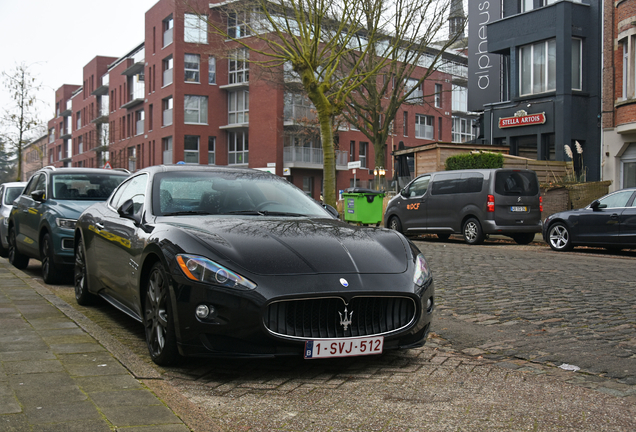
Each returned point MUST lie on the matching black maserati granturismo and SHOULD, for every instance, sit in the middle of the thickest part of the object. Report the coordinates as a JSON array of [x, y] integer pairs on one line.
[[233, 262]]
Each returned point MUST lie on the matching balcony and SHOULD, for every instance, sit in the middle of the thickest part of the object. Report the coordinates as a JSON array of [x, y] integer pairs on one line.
[[69, 109], [103, 88], [300, 115], [305, 157]]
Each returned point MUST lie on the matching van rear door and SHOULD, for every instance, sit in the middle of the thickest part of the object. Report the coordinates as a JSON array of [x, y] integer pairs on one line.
[[516, 198]]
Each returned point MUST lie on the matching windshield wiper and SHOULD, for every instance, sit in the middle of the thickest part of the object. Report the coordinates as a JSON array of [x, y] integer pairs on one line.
[[188, 212], [262, 213]]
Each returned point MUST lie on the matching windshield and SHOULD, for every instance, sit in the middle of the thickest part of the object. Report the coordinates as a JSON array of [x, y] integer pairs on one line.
[[219, 192], [95, 187], [11, 194]]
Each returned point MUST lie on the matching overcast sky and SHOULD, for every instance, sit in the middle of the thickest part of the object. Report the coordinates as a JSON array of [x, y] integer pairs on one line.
[[57, 38]]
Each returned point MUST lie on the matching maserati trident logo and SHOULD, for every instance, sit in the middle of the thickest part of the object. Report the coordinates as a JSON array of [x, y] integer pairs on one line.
[[518, 199], [344, 282], [346, 320]]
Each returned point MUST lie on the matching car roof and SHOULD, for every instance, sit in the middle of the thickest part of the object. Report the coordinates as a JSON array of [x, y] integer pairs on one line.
[[83, 171], [194, 168], [13, 184]]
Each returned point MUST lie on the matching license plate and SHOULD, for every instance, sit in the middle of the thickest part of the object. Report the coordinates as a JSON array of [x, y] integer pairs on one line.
[[518, 209], [326, 348]]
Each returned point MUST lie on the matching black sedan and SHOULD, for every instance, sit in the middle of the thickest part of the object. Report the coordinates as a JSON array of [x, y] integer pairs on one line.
[[609, 222], [230, 262]]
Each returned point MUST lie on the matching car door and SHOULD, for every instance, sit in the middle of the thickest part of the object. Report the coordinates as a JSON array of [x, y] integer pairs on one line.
[[444, 202], [27, 215], [117, 242], [412, 208], [627, 223], [601, 225]]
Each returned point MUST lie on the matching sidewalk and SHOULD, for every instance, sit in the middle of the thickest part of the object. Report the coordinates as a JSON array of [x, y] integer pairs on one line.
[[55, 376]]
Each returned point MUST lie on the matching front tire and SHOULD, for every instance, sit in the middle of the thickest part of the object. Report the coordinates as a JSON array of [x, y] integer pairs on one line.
[[395, 224], [559, 237], [18, 260], [158, 318], [50, 271], [80, 278], [473, 234]]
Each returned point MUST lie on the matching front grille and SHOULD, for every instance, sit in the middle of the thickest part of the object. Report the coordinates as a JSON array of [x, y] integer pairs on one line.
[[321, 317]]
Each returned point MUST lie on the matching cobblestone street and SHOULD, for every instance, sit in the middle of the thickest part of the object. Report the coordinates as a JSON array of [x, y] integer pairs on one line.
[[527, 302]]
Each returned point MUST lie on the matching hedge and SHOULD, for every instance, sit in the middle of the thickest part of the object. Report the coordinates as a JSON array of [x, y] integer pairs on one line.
[[474, 161]]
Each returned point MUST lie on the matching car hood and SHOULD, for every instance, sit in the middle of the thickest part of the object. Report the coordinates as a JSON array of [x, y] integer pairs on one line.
[[71, 209], [274, 246]]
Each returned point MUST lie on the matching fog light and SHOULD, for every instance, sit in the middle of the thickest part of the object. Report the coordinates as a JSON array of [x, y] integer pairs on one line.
[[429, 305], [203, 311]]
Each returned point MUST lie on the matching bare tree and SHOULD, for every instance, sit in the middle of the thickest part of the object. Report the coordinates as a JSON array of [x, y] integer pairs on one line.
[[312, 37], [21, 119], [416, 27]]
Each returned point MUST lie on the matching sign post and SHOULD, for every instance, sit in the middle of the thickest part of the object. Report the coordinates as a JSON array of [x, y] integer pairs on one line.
[[353, 166]]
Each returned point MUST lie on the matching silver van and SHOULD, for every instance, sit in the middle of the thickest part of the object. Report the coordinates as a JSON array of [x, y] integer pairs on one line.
[[473, 203]]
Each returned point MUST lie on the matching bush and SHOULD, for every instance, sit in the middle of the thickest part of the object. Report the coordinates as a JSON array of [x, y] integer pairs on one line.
[[474, 161]]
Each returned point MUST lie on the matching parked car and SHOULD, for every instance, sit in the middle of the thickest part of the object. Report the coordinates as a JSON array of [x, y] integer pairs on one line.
[[8, 192], [43, 217], [219, 261], [608, 222], [473, 203]]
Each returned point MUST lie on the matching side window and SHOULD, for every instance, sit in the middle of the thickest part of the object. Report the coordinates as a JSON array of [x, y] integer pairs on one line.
[[134, 189], [41, 184], [616, 200], [446, 184], [31, 186], [418, 187]]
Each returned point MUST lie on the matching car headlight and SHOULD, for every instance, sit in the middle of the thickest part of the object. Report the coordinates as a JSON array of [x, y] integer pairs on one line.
[[201, 269], [422, 272], [66, 223]]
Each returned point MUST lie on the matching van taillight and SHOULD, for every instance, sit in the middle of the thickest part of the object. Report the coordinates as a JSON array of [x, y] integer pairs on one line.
[[541, 204], [491, 203]]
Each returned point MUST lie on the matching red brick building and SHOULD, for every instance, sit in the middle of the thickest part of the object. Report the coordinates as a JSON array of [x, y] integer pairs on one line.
[[186, 95], [619, 93]]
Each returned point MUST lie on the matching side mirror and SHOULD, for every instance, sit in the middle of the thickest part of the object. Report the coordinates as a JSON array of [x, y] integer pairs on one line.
[[332, 211], [403, 193], [38, 195], [596, 204], [127, 211]]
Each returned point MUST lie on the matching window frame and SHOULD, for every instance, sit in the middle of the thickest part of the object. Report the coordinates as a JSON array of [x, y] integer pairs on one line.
[[424, 126], [188, 68], [195, 29], [187, 151], [200, 109]]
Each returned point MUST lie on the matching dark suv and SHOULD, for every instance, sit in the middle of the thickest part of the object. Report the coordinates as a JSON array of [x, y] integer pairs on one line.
[[43, 217]]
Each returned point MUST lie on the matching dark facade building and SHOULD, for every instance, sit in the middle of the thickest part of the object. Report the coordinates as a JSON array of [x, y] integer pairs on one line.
[[619, 93], [547, 75], [187, 95]]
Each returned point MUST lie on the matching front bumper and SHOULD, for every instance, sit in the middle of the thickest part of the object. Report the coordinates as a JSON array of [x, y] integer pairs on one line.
[[237, 326]]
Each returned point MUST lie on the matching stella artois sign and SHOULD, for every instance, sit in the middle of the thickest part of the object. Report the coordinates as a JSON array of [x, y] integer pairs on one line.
[[521, 118]]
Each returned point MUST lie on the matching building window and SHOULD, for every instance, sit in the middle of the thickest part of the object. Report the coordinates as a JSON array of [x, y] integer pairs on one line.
[[625, 67], [462, 130], [166, 144], [577, 65], [196, 109], [139, 122], [51, 135], [238, 67], [167, 67], [238, 25], [424, 127], [80, 145], [238, 107], [166, 111], [308, 185], [168, 24], [78, 120], [352, 151], [237, 148], [132, 159], [195, 29], [460, 98], [211, 148], [538, 67], [212, 70], [192, 63], [438, 95], [405, 123], [418, 95], [362, 154], [439, 128], [191, 149]]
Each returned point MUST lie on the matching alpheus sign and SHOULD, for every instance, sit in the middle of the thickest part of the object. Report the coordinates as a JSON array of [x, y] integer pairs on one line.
[[521, 118]]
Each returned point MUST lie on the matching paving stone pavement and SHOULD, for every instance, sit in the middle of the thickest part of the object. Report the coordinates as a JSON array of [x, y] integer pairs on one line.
[[533, 304], [443, 386], [54, 376]]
